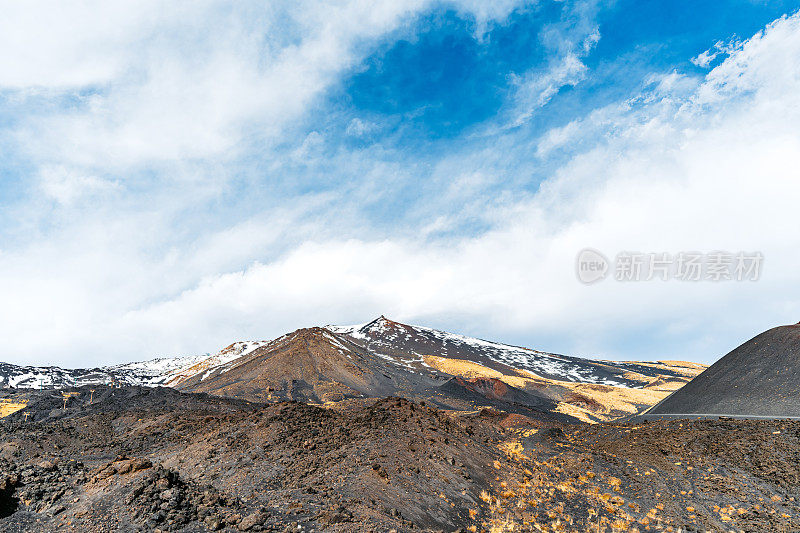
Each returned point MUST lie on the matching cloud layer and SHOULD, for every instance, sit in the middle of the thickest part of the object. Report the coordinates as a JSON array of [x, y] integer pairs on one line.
[[185, 181]]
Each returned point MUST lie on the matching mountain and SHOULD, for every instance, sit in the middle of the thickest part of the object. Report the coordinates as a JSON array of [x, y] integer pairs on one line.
[[590, 390], [408, 346], [166, 371], [316, 365], [759, 378], [384, 358], [147, 373], [311, 364]]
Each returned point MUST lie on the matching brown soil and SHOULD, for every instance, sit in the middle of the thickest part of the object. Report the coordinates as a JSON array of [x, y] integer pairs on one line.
[[159, 460], [393, 464], [662, 476]]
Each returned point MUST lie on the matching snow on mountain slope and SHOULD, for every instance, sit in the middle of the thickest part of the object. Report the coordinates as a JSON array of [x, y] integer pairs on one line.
[[400, 345], [156, 371], [148, 373], [408, 345], [163, 371], [205, 365]]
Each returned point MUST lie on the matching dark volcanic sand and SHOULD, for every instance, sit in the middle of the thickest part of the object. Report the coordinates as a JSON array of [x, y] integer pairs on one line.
[[142, 460], [759, 378]]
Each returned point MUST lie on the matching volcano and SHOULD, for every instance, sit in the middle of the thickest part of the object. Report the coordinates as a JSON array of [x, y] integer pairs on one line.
[[316, 365], [383, 357], [760, 378], [409, 345]]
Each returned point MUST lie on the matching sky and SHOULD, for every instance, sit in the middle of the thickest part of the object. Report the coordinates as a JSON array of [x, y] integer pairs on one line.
[[178, 176]]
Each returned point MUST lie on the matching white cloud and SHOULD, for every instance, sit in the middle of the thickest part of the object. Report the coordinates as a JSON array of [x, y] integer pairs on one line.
[[51, 45], [487, 12], [766, 63], [591, 40], [704, 59], [723, 177], [199, 81], [66, 186], [690, 165], [184, 80], [359, 128], [534, 89]]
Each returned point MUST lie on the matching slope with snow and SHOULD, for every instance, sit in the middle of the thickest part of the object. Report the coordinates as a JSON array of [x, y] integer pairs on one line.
[[163, 371], [207, 364], [147, 373], [408, 345], [382, 341]]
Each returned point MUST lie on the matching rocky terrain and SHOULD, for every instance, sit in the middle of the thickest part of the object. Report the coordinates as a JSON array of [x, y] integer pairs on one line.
[[149, 459], [387, 358], [384, 358], [154, 458], [387, 427]]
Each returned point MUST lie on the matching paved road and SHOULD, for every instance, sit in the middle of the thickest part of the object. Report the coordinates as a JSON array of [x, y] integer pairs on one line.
[[648, 416]]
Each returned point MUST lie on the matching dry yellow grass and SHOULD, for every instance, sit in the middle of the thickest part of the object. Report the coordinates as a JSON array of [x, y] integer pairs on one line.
[[459, 367], [8, 407], [685, 368], [585, 401], [513, 449]]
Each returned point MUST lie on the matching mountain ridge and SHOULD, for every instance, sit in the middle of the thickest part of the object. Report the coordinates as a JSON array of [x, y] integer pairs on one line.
[[384, 358]]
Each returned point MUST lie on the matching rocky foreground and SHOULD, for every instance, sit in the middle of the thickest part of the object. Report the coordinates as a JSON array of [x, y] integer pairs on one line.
[[140, 459]]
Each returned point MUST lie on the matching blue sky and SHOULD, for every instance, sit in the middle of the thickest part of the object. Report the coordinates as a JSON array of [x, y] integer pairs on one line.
[[175, 178]]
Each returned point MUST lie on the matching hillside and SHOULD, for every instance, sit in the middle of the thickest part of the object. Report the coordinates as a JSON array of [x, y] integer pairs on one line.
[[759, 378], [409, 345], [317, 366], [384, 357], [149, 459]]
